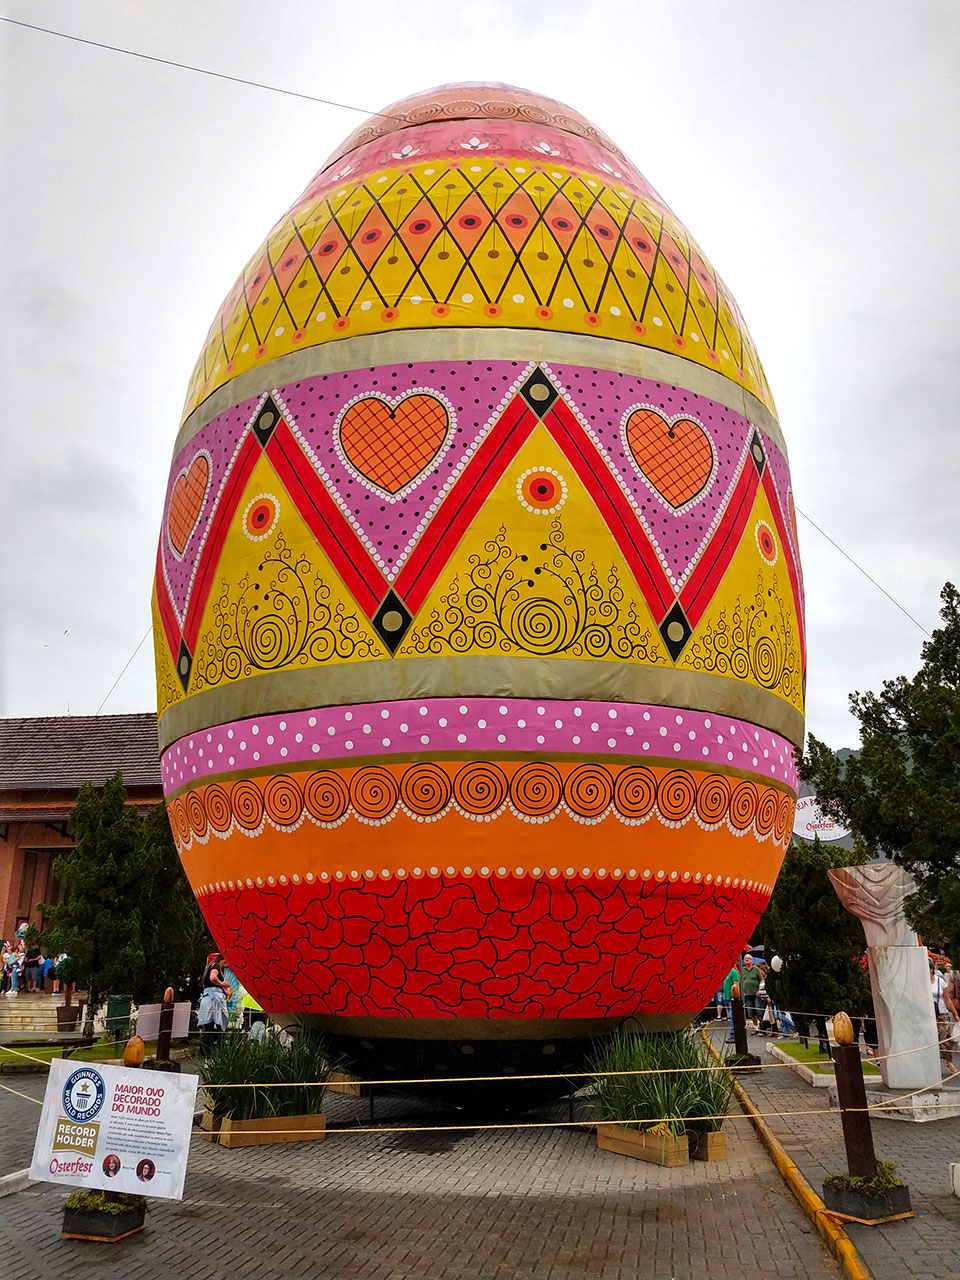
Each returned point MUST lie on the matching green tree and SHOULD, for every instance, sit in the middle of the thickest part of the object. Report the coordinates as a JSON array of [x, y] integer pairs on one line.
[[900, 795], [129, 921], [820, 942], [176, 940]]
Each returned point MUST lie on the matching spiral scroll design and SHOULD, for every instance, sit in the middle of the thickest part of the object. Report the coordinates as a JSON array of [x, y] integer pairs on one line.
[[283, 801], [676, 795], [784, 824], [541, 599], [481, 789], [743, 804], [635, 792], [326, 796], [374, 793], [196, 815], [277, 616], [768, 806], [179, 822], [219, 813], [535, 789], [757, 643], [425, 790], [247, 800], [588, 791], [713, 799]]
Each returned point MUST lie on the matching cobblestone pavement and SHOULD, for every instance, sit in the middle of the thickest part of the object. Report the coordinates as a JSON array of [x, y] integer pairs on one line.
[[525, 1204], [926, 1247]]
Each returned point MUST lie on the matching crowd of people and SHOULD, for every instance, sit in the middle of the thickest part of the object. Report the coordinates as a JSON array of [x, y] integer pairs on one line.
[[25, 967], [945, 992], [764, 1018], [762, 1015]]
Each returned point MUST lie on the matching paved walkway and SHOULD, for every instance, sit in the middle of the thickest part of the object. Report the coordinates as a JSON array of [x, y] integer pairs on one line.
[[520, 1204], [926, 1247]]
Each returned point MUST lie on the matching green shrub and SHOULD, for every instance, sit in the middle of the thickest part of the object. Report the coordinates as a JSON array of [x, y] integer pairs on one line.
[[683, 1089], [115, 1202], [281, 1081], [884, 1180]]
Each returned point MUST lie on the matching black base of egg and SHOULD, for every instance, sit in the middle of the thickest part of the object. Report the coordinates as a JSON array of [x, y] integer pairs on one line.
[[475, 1063]]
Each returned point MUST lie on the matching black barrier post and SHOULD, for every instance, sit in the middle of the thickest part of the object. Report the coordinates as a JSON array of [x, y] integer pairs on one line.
[[739, 1026], [852, 1096], [166, 1026]]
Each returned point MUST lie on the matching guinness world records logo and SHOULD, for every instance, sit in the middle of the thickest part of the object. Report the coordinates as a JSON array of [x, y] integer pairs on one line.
[[83, 1094]]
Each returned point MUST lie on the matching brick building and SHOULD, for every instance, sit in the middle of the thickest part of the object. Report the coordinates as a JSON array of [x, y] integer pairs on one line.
[[43, 763]]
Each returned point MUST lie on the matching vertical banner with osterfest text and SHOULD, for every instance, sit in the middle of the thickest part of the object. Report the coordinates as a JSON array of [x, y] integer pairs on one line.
[[115, 1129]]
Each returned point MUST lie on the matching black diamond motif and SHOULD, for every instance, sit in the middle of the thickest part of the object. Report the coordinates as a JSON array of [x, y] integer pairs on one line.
[[266, 421], [675, 631], [184, 664], [392, 621], [539, 392], [758, 453]]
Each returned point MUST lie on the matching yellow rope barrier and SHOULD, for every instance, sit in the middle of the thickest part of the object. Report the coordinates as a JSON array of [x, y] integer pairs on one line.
[[567, 1075], [569, 1124], [44, 1062]]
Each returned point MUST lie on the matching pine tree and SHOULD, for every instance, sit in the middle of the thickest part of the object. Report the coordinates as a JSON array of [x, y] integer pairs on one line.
[[900, 794], [129, 921], [820, 942]]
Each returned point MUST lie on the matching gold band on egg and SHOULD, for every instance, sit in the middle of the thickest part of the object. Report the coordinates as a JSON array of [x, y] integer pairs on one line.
[[381, 349], [389, 680]]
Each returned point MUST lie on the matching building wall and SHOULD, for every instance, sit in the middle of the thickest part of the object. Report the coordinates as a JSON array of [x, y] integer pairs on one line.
[[28, 850], [27, 853]]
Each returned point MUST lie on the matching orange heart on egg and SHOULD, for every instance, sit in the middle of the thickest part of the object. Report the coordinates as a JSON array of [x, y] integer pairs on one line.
[[674, 454], [391, 443], [186, 501]]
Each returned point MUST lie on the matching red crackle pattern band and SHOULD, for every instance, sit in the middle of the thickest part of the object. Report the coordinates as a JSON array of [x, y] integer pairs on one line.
[[511, 948]]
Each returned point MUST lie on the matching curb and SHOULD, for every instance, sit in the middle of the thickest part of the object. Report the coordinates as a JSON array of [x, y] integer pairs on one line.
[[833, 1234], [13, 1182]]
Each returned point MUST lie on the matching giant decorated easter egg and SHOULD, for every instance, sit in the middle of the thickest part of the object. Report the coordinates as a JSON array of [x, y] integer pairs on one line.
[[478, 606]]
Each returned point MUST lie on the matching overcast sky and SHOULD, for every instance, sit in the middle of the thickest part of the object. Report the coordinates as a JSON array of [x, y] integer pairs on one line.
[[810, 148]]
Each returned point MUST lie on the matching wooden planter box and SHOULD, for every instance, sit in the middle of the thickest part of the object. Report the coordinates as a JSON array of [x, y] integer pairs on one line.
[[85, 1224], [210, 1125], [654, 1147], [340, 1082], [707, 1146], [67, 1017], [263, 1133]]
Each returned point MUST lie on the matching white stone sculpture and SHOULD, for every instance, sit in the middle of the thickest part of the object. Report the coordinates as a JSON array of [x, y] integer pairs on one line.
[[899, 972], [874, 893]]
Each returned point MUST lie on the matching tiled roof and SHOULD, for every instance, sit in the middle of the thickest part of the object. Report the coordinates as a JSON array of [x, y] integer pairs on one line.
[[54, 752]]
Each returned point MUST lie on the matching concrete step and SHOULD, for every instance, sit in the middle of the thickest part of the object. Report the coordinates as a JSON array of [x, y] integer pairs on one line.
[[30, 1011], [27, 1024]]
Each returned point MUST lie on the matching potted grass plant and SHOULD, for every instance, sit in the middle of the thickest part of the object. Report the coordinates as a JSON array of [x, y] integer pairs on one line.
[[871, 1199], [668, 1110], [707, 1104], [105, 1216], [261, 1093]]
